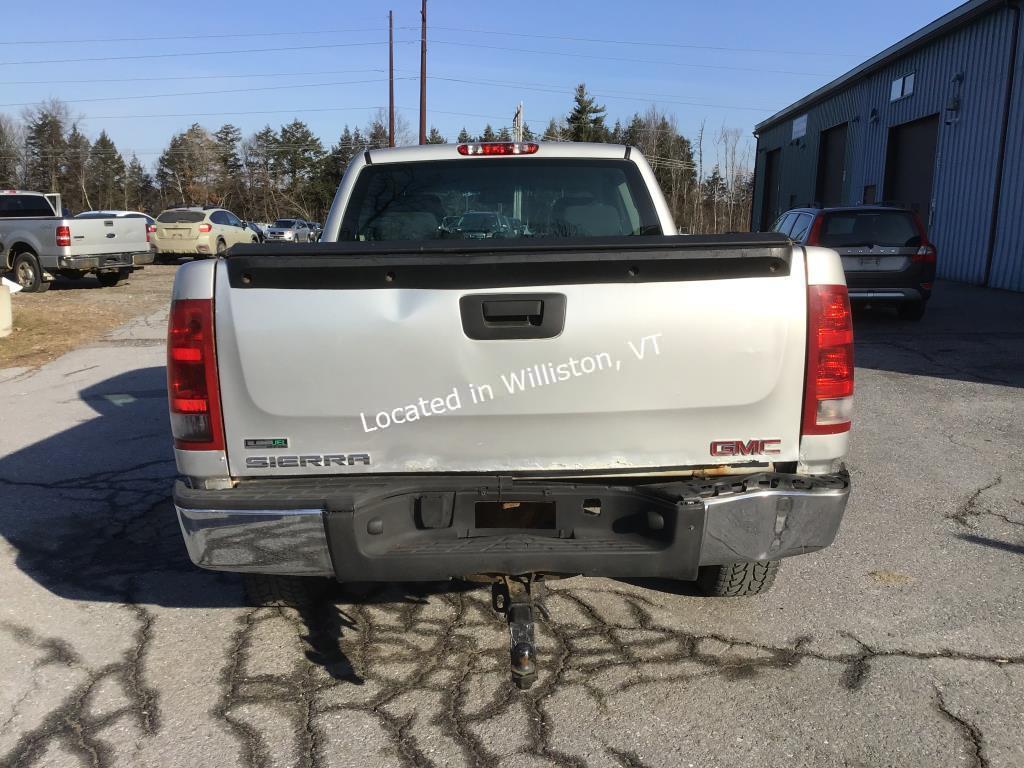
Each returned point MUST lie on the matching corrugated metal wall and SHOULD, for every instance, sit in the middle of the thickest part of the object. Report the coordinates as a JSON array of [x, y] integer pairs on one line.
[[1008, 257], [970, 63]]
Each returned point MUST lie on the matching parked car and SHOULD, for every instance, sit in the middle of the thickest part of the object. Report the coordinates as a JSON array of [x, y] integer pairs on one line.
[[886, 253], [37, 243], [201, 232], [289, 230], [255, 229], [315, 230], [405, 410], [150, 221], [483, 224]]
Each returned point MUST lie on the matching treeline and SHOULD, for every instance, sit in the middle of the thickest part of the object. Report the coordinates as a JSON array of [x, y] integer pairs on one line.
[[289, 171]]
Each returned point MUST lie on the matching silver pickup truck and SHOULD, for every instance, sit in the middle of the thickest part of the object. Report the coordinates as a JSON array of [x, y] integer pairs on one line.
[[595, 397], [37, 242]]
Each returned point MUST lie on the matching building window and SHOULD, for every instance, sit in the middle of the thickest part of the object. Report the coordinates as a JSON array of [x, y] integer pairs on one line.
[[799, 127], [902, 87]]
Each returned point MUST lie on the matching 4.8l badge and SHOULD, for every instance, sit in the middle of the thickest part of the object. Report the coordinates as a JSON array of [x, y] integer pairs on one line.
[[266, 442]]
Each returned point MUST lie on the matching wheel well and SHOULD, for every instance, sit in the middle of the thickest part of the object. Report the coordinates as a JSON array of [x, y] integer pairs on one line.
[[14, 250]]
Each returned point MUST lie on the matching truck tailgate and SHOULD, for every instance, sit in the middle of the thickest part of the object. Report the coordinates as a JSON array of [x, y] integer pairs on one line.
[[620, 357], [94, 237]]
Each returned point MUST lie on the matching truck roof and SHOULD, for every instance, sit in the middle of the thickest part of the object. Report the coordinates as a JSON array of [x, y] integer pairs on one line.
[[551, 149]]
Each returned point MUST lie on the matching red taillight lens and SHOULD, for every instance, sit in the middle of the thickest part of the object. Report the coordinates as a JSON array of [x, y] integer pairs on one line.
[[926, 254], [828, 389], [149, 231], [63, 236], [814, 236], [499, 148], [192, 377], [205, 227]]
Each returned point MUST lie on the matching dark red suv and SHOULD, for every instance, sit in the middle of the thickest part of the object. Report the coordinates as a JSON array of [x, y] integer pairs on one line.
[[887, 256]]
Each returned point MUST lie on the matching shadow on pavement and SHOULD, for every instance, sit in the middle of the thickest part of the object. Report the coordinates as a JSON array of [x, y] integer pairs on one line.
[[968, 333], [89, 514], [985, 541]]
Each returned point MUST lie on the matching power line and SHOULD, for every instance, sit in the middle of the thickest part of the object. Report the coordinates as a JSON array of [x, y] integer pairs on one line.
[[191, 77], [205, 93], [187, 37], [229, 114], [600, 57], [604, 95], [644, 43], [195, 53]]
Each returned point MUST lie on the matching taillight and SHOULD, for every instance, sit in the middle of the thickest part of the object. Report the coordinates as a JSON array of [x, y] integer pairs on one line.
[[828, 390], [150, 229], [192, 377], [814, 236], [63, 236], [499, 148], [205, 227], [926, 254]]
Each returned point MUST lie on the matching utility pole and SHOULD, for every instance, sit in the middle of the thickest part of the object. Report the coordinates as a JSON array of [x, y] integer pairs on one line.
[[391, 78], [517, 123], [423, 75]]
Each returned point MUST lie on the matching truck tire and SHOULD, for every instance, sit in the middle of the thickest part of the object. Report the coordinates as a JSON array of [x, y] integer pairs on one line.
[[110, 279], [737, 579], [28, 274], [269, 590]]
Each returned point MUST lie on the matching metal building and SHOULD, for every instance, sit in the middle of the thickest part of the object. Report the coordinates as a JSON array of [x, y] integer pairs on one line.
[[936, 122]]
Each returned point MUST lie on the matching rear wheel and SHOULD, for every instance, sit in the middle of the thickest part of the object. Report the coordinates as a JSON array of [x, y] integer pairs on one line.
[[737, 579], [28, 273], [911, 310], [110, 279], [268, 590]]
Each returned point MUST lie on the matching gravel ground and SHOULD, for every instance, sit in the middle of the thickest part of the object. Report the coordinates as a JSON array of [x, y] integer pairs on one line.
[[899, 646]]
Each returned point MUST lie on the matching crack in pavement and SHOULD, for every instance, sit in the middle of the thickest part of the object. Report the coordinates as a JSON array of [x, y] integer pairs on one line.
[[968, 508], [970, 732], [371, 638]]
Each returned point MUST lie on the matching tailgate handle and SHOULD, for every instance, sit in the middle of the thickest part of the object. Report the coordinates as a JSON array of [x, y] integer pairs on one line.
[[514, 311], [512, 316]]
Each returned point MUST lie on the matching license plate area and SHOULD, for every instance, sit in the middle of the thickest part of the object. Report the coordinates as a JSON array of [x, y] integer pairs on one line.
[[525, 515]]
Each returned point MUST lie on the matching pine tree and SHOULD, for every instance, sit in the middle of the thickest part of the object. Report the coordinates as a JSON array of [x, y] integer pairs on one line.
[[528, 135], [464, 137], [106, 174], [586, 121], [229, 165], [504, 134], [377, 132], [10, 154], [45, 145], [139, 192], [553, 132], [435, 137], [488, 134], [74, 174]]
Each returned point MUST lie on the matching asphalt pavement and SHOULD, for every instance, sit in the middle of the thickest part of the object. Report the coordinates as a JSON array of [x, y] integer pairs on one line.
[[899, 646]]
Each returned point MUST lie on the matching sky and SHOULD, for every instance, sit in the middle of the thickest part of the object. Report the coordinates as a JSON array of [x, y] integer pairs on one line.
[[134, 68]]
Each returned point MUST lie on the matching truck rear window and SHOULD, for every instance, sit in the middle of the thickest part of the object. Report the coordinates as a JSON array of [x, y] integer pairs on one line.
[[492, 198], [13, 206], [851, 229], [181, 217]]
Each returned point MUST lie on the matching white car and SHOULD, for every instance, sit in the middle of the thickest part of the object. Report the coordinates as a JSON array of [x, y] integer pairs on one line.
[[201, 232]]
